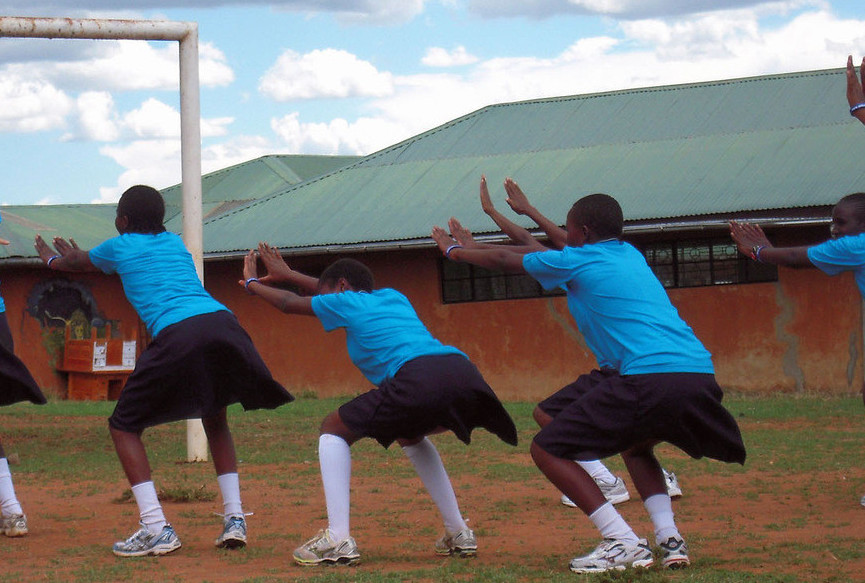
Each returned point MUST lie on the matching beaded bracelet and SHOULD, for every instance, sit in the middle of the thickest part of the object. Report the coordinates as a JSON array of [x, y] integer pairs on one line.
[[857, 107]]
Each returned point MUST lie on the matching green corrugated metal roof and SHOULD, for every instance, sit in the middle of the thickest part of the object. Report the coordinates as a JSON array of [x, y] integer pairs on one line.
[[222, 191], [769, 142]]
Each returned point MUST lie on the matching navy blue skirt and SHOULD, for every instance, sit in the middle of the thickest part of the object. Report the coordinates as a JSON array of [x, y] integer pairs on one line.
[[610, 413], [427, 393], [16, 382], [193, 369]]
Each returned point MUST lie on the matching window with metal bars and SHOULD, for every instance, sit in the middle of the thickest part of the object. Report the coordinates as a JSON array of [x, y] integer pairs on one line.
[[676, 263]]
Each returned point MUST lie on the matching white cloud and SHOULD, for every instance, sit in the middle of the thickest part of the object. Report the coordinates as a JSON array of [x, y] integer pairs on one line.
[[123, 65], [96, 116], [439, 57], [337, 136], [321, 74], [31, 104], [622, 9]]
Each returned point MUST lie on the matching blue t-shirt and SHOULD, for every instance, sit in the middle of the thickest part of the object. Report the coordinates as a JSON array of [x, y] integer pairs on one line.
[[621, 308], [842, 254], [158, 277], [382, 330]]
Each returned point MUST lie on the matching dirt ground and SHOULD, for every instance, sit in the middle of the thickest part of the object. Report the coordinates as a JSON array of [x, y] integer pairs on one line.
[[754, 520]]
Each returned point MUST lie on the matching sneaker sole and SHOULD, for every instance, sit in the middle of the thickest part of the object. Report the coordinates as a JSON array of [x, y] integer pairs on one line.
[[462, 553], [155, 551], [231, 543], [342, 561], [677, 563], [643, 564], [15, 532]]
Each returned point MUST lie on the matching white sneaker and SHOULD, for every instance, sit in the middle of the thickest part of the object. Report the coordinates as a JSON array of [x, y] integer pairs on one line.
[[462, 544], [14, 525], [615, 493], [323, 549], [674, 553], [862, 501], [614, 555], [673, 488]]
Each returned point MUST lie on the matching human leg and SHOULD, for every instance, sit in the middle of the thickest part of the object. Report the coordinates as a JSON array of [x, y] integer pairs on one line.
[[12, 520], [333, 545], [458, 538], [222, 451], [652, 484], [156, 536]]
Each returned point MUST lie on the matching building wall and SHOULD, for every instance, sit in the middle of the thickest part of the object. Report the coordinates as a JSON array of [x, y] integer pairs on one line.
[[801, 334]]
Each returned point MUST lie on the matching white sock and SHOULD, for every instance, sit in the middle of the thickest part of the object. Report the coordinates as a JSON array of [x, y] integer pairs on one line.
[[9, 505], [149, 508], [611, 524], [334, 457], [598, 471], [428, 464], [660, 510], [229, 485]]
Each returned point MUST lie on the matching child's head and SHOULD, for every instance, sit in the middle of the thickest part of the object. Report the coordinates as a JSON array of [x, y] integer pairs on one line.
[[594, 218], [140, 210], [353, 272], [848, 216]]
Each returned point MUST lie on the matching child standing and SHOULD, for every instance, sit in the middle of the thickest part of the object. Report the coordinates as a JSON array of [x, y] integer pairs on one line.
[[661, 386], [199, 362], [16, 384], [612, 486], [423, 387], [845, 251]]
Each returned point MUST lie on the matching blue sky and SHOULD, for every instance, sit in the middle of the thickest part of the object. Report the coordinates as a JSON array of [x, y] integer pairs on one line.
[[82, 120]]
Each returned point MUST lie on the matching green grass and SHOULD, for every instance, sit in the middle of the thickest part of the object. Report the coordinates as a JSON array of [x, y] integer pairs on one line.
[[66, 444]]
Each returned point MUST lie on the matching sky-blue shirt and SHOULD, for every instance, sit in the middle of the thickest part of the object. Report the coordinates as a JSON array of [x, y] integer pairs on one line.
[[382, 330], [158, 277], [842, 254], [621, 308]]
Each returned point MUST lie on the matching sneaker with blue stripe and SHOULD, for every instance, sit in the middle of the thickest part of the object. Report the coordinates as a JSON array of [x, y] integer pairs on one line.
[[143, 543]]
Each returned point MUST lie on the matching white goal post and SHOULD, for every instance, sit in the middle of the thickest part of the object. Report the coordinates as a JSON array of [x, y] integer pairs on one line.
[[190, 125]]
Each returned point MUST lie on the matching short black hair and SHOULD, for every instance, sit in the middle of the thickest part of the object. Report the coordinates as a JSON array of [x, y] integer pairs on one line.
[[599, 212], [144, 208], [353, 271], [857, 201]]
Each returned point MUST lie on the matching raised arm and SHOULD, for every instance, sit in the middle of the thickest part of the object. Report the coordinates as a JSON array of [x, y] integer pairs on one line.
[[855, 94], [753, 243], [66, 256], [519, 202], [502, 258], [278, 271], [283, 300], [518, 234]]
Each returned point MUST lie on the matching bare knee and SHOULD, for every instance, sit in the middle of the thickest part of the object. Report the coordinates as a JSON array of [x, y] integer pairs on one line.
[[541, 417], [334, 425]]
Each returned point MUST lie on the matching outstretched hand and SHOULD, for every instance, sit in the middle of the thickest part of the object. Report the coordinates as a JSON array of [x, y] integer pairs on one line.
[[747, 236], [442, 239], [516, 199], [250, 267], [4, 242], [462, 235], [855, 94], [486, 202], [61, 247], [277, 269]]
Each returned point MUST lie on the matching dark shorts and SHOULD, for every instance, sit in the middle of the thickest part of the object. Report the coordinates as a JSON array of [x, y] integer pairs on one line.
[[561, 399], [429, 392], [193, 369], [615, 413], [16, 382]]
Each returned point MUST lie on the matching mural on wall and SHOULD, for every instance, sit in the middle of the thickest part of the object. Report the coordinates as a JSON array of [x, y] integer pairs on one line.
[[59, 304]]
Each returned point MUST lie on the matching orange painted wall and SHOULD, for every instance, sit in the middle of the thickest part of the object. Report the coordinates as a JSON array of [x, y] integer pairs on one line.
[[801, 334]]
